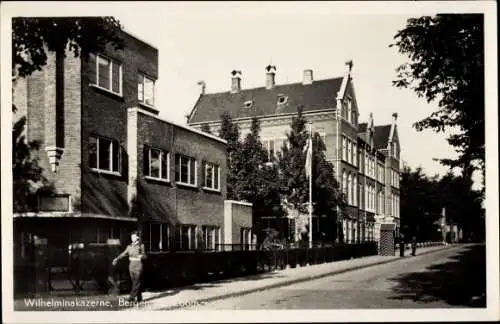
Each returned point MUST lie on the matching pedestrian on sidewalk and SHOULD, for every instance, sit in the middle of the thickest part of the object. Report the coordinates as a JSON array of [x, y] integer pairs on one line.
[[136, 254], [401, 245], [414, 245]]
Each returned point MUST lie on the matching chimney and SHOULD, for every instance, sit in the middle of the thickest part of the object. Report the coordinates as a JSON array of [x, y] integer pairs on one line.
[[235, 81], [271, 71], [394, 118], [203, 86], [308, 77]]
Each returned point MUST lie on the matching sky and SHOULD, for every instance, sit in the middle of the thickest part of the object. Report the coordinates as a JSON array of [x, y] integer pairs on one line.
[[207, 42]]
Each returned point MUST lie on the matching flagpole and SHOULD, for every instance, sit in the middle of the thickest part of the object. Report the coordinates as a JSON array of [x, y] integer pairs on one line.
[[310, 189]]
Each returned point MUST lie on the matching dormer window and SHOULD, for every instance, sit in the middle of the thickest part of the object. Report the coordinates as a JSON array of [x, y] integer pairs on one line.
[[282, 99], [248, 104]]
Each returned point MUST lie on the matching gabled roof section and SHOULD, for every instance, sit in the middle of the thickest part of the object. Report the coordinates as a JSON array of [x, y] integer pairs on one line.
[[381, 136], [321, 94]]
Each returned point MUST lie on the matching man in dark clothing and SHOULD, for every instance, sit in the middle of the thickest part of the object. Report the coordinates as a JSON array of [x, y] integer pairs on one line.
[[136, 253], [401, 245], [413, 246]]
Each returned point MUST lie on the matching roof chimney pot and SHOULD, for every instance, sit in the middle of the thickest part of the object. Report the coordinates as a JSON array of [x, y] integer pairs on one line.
[[270, 73], [308, 76], [235, 81]]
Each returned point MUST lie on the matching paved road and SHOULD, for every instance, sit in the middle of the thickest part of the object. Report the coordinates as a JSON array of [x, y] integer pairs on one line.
[[448, 278]]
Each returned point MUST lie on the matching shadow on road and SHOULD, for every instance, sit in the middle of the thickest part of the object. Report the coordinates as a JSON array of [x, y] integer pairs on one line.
[[459, 281]]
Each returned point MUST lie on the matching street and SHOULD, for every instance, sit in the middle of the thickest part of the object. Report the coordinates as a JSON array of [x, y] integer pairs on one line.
[[447, 278]]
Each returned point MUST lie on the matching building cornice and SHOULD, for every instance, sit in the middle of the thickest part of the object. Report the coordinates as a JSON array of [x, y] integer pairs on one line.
[[315, 115]]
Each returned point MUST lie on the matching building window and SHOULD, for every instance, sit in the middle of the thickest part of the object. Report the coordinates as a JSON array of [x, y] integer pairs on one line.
[[157, 237], [269, 147], [211, 176], [246, 238], [349, 109], [185, 237], [344, 183], [280, 143], [349, 154], [349, 189], [106, 73], [185, 170], [104, 154], [146, 90], [157, 163], [355, 190], [355, 155], [344, 148], [211, 235]]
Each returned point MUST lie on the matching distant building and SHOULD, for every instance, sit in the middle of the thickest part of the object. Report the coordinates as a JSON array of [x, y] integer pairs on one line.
[[365, 157], [105, 149]]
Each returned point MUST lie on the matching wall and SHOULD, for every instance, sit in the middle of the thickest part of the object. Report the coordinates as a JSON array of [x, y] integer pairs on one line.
[[105, 114], [173, 203], [53, 118], [237, 215]]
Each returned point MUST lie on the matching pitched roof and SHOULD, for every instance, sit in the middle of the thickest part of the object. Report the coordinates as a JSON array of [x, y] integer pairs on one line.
[[381, 136], [362, 127], [321, 94]]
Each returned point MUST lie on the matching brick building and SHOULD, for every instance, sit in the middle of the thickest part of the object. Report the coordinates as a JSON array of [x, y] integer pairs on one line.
[[106, 150], [365, 157]]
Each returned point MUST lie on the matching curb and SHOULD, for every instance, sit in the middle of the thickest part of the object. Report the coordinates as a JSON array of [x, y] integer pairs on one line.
[[293, 281]]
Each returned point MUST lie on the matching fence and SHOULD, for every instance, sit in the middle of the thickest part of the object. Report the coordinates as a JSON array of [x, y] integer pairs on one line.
[[173, 269]]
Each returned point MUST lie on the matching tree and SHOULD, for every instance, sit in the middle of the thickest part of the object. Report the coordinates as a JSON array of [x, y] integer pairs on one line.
[[326, 195], [206, 128], [230, 132], [420, 204], [31, 39], [463, 204], [28, 179], [291, 161], [446, 65], [257, 178]]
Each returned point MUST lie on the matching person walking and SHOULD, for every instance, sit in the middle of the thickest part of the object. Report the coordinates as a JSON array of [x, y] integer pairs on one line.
[[136, 254], [414, 245], [401, 245]]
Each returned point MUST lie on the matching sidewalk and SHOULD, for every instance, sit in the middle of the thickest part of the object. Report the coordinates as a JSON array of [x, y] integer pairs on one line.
[[181, 297], [203, 293]]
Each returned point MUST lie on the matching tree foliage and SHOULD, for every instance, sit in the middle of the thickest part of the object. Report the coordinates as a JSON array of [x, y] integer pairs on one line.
[[295, 185], [446, 54], [424, 197], [28, 178], [32, 37], [258, 177], [230, 132]]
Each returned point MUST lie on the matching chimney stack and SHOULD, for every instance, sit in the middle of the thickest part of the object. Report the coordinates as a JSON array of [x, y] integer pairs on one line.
[[203, 86], [235, 81], [308, 77], [271, 72]]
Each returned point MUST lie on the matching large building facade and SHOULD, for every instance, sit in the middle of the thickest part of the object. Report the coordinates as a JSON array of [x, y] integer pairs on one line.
[[365, 157], [113, 162]]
